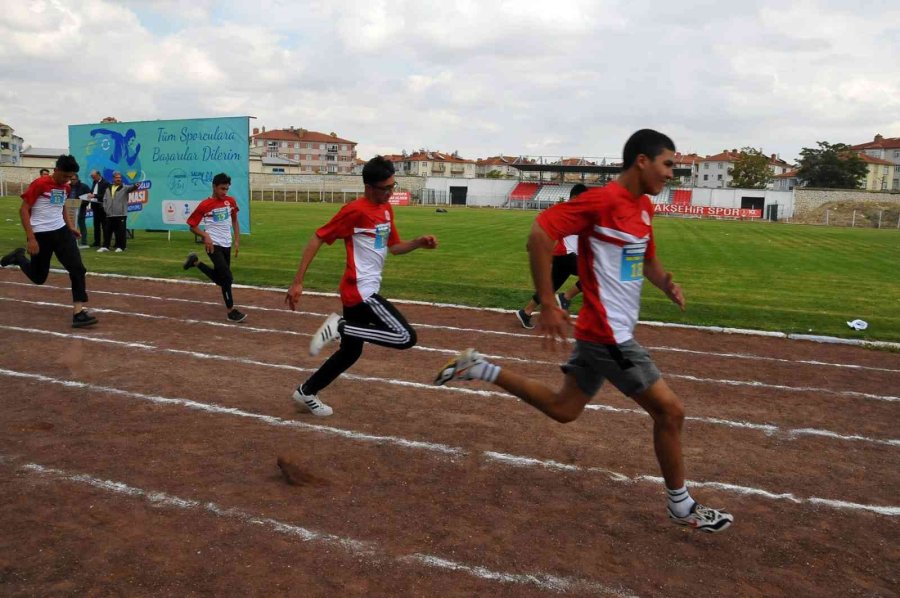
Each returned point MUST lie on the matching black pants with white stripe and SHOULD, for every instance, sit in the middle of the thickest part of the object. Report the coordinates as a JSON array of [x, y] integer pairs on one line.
[[376, 321]]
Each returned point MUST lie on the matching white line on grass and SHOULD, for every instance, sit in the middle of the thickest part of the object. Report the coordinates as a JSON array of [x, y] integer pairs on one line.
[[366, 550], [474, 331], [512, 460], [768, 429]]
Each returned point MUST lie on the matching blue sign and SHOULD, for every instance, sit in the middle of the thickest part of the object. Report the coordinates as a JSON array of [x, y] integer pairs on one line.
[[175, 162]]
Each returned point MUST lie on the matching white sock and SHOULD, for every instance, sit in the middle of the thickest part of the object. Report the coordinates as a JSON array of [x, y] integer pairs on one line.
[[485, 371], [680, 501]]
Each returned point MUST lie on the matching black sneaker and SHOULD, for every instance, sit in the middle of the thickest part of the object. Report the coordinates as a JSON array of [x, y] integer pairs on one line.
[[234, 315], [191, 261], [82, 319], [525, 319], [563, 302], [12, 257]]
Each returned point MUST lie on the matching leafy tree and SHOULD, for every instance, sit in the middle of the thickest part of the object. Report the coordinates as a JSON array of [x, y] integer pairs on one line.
[[832, 166], [751, 170], [494, 174]]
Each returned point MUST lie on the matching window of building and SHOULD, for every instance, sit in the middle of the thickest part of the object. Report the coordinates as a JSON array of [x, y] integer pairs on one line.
[[720, 168], [705, 177], [277, 170], [343, 148], [720, 177], [706, 166], [4, 145], [308, 157], [321, 146]]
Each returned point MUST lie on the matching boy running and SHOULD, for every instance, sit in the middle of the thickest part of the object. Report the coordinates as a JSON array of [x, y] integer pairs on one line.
[[49, 230], [367, 227], [616, 252], [218, 214]]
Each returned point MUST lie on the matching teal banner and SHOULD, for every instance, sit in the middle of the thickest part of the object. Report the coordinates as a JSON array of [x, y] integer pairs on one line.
[[173, 160]]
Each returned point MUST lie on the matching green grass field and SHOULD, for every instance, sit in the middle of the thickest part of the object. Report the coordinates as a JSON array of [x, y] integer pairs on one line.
[[747, 275]]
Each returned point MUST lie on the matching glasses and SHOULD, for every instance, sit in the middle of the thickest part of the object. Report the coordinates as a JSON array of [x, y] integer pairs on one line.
[[383, 188]]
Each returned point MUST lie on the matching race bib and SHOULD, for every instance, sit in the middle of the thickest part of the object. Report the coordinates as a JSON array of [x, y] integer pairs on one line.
[[382, 232], [220, 215], [632, 267], [57, 197]]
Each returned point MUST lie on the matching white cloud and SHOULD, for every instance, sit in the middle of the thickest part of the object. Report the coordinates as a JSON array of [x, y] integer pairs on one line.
[[574, 77]]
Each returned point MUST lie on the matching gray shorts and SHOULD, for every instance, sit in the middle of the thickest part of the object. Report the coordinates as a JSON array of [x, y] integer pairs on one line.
[[627, 366]]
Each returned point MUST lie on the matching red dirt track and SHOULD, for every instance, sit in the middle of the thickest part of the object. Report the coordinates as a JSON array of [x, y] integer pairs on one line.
[[139, 457]]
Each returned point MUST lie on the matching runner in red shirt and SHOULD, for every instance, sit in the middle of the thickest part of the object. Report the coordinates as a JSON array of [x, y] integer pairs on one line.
[[218, 215], [616, 252], [49, 230], [369, 232]]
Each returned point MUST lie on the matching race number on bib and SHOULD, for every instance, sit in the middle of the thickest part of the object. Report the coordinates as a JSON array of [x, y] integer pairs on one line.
[[57, 197], [632, 267]]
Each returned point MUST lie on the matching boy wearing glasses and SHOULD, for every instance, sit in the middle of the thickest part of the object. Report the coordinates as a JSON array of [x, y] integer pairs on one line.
[[218, 214], [367, 227]]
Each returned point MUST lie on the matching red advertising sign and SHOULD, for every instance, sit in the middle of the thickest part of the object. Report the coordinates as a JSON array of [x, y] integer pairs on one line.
[[400, 198], [706, 211]]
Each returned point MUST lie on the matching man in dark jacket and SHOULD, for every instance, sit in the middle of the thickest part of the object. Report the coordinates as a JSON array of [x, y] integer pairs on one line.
[[98, 190]]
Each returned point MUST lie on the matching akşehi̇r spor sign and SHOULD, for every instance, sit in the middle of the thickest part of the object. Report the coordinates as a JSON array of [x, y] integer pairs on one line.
[[705, 211]]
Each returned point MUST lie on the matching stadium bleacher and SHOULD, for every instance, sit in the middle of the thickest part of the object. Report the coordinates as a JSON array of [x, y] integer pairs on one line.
[[523, 191]]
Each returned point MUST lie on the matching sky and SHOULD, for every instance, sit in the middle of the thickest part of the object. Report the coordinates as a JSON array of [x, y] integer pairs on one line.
[[481, 77]]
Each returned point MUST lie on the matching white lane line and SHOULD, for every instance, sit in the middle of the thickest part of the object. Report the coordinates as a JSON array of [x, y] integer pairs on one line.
[[768, 429], [365, 550], [220, 409], [718, 329], [474, 331], [725, 382], [445, 450]]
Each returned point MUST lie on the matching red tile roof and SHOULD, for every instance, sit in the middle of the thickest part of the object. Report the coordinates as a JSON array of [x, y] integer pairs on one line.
[[437, 157], [879, 143], [725, 156], [300, 135], [873, 160]]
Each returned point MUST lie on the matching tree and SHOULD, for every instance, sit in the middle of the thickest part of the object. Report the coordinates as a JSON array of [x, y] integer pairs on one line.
[[751, 170], [494, 174], [832, 166]]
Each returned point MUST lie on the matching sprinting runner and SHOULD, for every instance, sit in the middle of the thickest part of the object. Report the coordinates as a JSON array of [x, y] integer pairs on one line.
[[49, 230], [369, 232], [616, 252], [218, 215]]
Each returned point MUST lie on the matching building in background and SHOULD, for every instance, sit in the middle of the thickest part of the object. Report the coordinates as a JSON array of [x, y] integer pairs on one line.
[[42, 157], [884, 148], [881, 174], [314, 152], [10, 146], [427, 163]]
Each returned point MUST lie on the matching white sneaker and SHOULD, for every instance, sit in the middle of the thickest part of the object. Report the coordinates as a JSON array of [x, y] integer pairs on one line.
[[459, 367], [103, 250], [119, 250], [312, 404], [704, 519], [327, 332]]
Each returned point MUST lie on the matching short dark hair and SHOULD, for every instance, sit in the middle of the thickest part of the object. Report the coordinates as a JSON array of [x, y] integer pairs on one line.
[[577, 190], [648, 142], [221, 179], [377, 169], [45, 171], [66, 163]]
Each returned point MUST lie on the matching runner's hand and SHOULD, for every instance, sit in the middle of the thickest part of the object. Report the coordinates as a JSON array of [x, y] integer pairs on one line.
[[554, 324], [33, 247], [673, 291], [292, 298]]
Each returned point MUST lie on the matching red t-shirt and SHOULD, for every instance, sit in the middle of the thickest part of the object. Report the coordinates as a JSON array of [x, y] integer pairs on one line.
[[368, 230], [47, 199], [615, 234]]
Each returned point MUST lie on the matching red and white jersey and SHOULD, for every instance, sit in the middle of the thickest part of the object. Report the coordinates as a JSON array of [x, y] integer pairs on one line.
[[215, 215], [368, 230], [47, 199], [615, 234]]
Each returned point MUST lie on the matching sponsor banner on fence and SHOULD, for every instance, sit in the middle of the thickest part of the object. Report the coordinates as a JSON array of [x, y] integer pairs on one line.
[[174, 160], [706, 211], [400, 198]]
